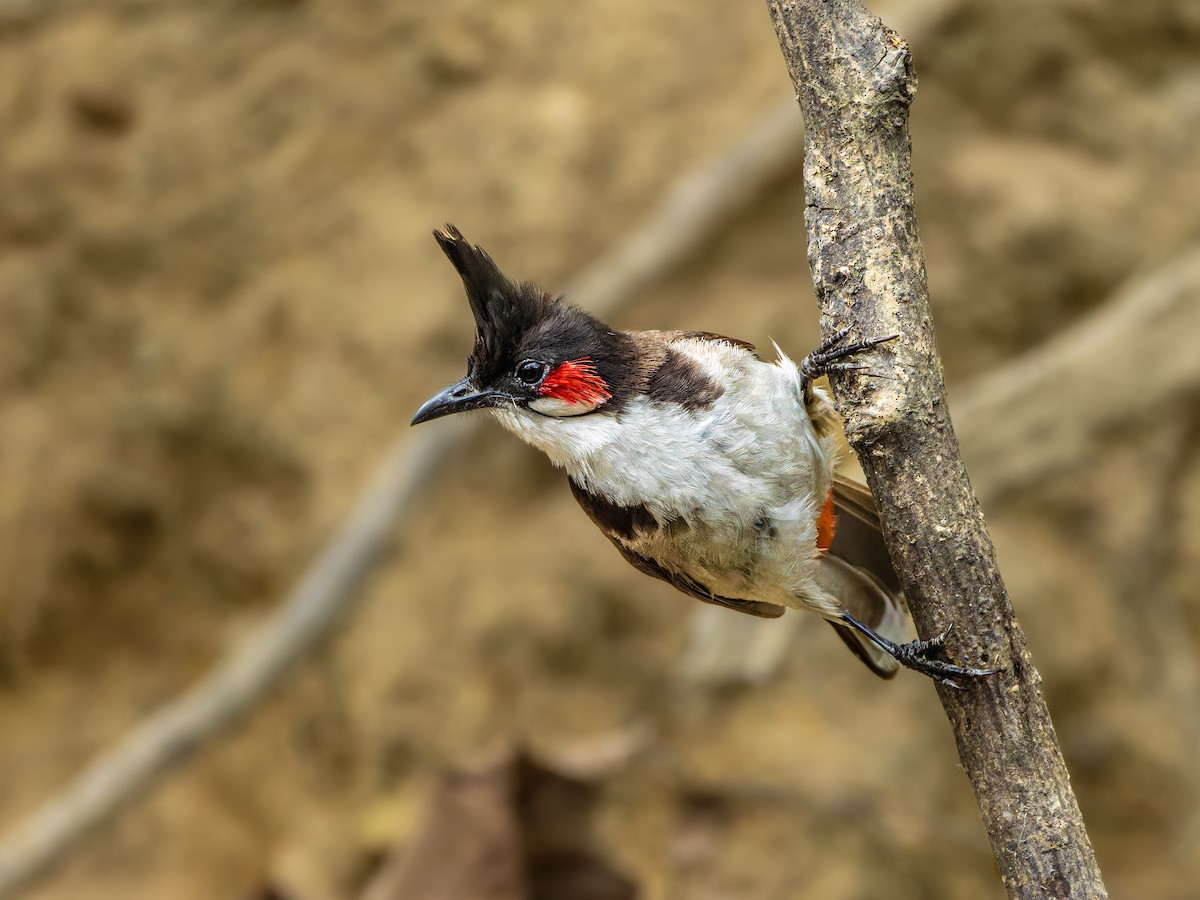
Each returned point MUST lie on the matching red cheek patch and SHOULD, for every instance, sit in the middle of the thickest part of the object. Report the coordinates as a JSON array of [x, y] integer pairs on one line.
[[576, 381]]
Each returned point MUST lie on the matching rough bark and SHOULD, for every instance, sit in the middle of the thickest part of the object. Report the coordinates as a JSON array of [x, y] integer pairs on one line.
[[854, 82]]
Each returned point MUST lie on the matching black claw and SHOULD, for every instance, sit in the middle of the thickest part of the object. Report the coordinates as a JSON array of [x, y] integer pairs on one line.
[[922, 648], [836, 339], [844, 367]]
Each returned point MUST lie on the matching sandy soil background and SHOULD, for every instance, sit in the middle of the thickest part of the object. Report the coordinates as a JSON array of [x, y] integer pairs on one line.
[[220, 304]]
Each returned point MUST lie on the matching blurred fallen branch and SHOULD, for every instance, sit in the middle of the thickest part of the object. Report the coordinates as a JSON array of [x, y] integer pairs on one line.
[[693, 212], [170, 737], [1132, 362]]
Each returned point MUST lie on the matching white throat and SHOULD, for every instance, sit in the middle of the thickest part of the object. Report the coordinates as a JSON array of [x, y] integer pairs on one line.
[[754, 445]]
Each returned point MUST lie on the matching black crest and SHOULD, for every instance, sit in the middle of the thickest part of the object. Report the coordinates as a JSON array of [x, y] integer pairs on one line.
[[505, 311]]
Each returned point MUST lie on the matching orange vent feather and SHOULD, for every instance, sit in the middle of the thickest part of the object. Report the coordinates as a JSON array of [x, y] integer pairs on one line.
[[826, 525]]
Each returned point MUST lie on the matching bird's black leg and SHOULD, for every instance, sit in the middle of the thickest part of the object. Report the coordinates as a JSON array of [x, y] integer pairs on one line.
[[915, 654], [831, 355]]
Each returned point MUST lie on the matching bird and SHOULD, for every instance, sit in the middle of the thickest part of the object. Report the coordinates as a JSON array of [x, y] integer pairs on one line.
[[705, 465]]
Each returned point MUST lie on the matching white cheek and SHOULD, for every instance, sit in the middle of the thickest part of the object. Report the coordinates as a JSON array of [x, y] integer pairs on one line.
[[552, 406]]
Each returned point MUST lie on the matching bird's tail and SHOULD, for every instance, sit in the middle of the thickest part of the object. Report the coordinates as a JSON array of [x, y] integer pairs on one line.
[[856, 569], [858, 572], [864, 597]]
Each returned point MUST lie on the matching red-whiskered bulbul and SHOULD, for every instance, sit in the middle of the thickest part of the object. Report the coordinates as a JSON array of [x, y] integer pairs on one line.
[[704, 465]]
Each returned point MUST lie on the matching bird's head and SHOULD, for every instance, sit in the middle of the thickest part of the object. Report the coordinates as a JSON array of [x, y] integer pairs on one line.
[[532, 352]]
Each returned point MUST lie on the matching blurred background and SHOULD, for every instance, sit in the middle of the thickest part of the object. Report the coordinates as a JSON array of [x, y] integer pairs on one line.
[[220, 305]]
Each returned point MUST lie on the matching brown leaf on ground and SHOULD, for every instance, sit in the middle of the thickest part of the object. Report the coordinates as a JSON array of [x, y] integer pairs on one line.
[[507, 829]]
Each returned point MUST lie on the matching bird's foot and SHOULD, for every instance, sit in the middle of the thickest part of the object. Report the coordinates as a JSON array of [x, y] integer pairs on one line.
[[832, 355], [916, 655]]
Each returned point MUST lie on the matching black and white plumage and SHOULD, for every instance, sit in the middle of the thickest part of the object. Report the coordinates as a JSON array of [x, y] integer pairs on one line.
[[706, 466]]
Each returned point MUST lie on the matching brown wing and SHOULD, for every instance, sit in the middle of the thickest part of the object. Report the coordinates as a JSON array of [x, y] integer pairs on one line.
[[694, 589], [624, 525]]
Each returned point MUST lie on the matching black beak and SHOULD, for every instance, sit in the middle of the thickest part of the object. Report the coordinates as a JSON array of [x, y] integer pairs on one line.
[[458, 398]]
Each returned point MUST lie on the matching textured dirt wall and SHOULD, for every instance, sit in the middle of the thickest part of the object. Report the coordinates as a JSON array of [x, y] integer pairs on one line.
[[219, 303]]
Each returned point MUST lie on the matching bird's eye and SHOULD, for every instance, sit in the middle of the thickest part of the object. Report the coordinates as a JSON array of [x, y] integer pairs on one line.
[[530, 372]]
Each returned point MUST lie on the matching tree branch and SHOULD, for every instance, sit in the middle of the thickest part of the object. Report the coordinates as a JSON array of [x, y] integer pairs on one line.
[[854, 82]]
